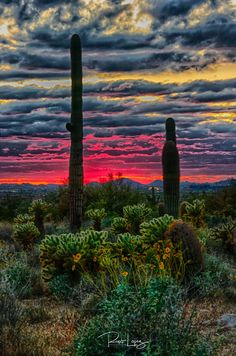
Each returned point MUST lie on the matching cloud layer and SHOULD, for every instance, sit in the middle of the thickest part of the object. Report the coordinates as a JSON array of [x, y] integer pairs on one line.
[[142, 62]]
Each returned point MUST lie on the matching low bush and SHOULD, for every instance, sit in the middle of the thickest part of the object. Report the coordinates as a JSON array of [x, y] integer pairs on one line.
[[21, 279], [214, 279], [152, 315]]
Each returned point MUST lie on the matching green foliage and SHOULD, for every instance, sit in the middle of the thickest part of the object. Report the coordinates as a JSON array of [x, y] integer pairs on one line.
[[118, 225], [19, 278], [73, 253], [134, 216], [194, 212], [25, 235], [153, 314], [112, 196], [154, 230], [61, 287], [96, 215], [204, 235], [183, 236], [215, 277], [11, 205]]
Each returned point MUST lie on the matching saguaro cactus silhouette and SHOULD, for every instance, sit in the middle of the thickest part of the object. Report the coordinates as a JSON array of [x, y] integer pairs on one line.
[[76, 133], [171, 170]]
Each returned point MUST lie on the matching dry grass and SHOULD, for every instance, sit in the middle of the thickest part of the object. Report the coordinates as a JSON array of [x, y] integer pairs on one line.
[[49, 336], [207, 314]]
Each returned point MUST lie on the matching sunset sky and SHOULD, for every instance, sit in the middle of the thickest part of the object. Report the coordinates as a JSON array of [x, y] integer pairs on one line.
[[143, 61]]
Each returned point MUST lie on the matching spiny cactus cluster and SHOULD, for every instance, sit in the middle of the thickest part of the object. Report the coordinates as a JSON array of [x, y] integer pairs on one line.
[[25, 235], [171, 170], [227, 233], [153, 230], [133, 217], [66, 252], [96, 215], [38, 210], [193, 212]]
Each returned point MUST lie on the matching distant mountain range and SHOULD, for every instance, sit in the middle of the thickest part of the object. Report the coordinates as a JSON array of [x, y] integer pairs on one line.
[[42, 189]]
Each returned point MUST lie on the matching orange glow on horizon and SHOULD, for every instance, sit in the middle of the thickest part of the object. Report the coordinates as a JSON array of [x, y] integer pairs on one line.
[[139, 179]]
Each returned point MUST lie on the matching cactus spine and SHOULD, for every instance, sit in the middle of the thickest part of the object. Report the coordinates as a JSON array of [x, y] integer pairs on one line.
[[76, 133], [171, 170]]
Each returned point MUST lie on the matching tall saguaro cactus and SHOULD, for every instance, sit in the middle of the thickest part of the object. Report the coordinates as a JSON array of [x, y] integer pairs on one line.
[[76, 133], [171, 170]]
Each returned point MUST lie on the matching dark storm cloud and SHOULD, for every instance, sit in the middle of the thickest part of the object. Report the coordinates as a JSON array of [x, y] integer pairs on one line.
[[218, 31], [159, 61], [18, 75], [44, 36], [164, 9], [226, 95], [32, 92], [19, 107], [122, 120]]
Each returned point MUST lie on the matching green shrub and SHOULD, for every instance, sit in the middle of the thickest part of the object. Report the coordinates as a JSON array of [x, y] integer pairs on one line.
[[20, 278], [153, 314], [61, 287], [96, 215], [214, 279], [204, 235], [25, 235]]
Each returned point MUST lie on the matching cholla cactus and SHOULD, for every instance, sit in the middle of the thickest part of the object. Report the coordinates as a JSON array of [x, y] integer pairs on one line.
[[38, 209], [118, 225], [71, 253], [135, 215], [154, 229], [23, 219], [227, 233], [96, 215], [25, 234], [194, 212]]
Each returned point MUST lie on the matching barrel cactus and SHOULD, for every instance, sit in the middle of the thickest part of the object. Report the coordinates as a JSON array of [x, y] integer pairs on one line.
[[184, 238]]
